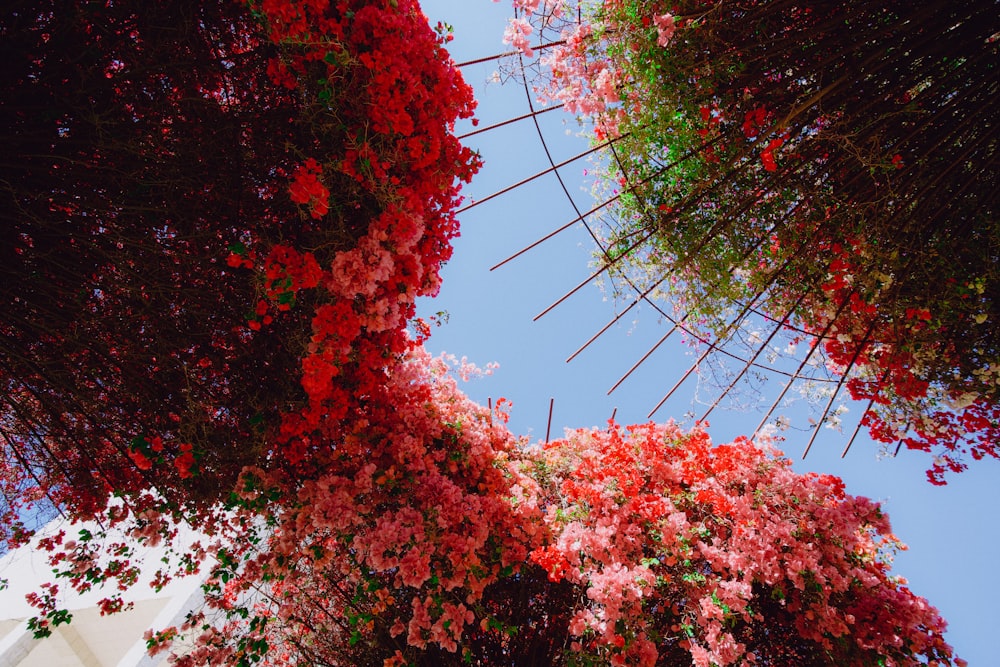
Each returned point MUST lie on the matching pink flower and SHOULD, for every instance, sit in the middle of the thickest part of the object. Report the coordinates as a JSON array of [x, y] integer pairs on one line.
[[606, 86], [579, 624], [516, 35], [415, 568], [665, 28], [529, 6], [699, 656]]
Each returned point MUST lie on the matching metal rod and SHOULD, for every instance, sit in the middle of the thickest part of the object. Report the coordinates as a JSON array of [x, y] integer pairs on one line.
[[857, 428], [553, 233], [507, 54], [843, 378], [527, 180], [548, 427], [507, 122], [644, 357]]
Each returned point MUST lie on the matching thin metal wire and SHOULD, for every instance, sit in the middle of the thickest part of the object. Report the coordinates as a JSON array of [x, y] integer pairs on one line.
[[760, 350], [525, 181], [508, 122], [548, 427], [730, 330], [816, 340], [510, 54]]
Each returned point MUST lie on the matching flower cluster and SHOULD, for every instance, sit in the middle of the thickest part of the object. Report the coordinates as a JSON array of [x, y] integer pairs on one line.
[[884, 358], [665, 28], [306, 188], [645, 545], [332, 280], [397, 540], [395, 168], [686, 552]]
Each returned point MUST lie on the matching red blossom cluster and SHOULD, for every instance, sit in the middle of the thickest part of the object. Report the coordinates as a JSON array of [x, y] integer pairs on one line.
[[755, 121], [685, 552], [885, 356], [439, 539], [146, 454], [306, 188], [392, 546], [397, 167], [339, 292], [767, 155]]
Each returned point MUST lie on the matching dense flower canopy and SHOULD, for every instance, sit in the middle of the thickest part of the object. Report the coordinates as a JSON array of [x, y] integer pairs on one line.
[[832, 166], [219, 218], [211, 211], [689, 552], [448, 542]]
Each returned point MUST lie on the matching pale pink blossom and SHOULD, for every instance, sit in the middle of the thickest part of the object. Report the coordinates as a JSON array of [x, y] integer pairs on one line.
[[606, 86], [528, 6], [665, 28], [516, 34]]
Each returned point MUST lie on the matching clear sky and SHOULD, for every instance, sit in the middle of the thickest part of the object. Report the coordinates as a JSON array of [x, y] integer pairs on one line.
[[951, 531]]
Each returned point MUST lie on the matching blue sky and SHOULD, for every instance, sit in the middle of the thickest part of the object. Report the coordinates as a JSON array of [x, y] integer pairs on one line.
[[951, 531]]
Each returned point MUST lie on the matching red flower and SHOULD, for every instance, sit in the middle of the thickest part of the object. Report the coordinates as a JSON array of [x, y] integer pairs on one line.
[[279, 74], [753, 121], [767, 155], [186, 461], [551, 559], [307, 189], [140, 460]]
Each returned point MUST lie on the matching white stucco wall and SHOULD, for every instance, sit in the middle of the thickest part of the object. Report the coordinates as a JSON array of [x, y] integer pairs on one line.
[[90, 640]]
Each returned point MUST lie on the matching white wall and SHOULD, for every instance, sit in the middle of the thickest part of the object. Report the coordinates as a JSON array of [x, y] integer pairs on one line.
[[90, 640]]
